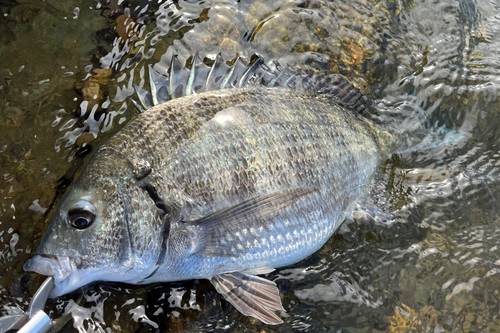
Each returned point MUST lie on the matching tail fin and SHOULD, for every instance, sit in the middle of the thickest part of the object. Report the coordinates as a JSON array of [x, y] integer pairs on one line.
[[181, 81]]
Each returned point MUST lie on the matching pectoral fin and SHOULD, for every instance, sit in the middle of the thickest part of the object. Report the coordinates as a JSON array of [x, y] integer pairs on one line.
[[251, 295], [261, 207], [220, 234]]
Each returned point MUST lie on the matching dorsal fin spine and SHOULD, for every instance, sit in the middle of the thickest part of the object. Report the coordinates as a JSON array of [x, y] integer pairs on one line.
[[138, 106], [225, 82], [152, 86], [244, 78], [293, 77], [273, 81], [189, 85], [192, 74], [218, 61], [172, 76], [140, 96]]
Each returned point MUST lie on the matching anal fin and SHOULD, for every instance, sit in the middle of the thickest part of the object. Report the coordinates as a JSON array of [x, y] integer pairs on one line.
[[251, 295]]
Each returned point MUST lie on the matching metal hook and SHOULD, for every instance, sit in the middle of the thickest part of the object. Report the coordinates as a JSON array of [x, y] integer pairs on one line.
[[35, 320]]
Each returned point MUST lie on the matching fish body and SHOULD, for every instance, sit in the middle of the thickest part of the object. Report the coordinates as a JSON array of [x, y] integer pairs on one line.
[[319, 155], [220, 185]]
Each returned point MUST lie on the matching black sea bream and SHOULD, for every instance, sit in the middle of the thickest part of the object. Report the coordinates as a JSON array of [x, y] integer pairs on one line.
[[220, 185]]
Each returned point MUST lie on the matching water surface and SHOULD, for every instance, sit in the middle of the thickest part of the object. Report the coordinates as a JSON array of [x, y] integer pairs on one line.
[[65, 86]]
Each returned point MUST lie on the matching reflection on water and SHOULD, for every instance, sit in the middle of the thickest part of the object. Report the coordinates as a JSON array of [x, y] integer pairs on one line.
[[65, 84]]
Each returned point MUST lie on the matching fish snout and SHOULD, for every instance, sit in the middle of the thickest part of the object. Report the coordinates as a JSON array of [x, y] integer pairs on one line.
[[40, 265], [65, 271]]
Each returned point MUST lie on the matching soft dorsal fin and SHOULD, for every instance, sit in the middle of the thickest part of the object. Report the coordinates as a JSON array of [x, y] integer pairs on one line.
[[181, 81], [251, 295]]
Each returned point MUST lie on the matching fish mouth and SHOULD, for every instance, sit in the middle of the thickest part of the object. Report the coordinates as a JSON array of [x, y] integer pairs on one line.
[[64, 270]]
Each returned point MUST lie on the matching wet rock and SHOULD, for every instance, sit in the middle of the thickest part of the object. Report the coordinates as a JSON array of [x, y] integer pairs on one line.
[[125, 27], [92, 88], [84, 139]]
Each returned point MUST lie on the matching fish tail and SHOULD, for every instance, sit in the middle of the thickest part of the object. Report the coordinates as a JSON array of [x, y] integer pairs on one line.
[[431, 138], [181, 81], [413, 129]]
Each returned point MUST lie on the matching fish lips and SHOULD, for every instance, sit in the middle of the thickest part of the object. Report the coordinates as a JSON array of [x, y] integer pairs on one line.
[[65, 271]]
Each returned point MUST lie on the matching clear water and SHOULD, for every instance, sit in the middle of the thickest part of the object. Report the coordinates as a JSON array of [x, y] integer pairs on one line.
[[66, 74]]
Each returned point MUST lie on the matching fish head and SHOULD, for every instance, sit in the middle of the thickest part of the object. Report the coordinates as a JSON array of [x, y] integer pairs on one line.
[[89, 236]]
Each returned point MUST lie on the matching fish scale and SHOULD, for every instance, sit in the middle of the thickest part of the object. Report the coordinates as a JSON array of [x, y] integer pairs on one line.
[[222, 185]]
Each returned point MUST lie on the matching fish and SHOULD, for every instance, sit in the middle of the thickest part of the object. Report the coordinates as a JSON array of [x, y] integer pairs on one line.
[[229, 172]]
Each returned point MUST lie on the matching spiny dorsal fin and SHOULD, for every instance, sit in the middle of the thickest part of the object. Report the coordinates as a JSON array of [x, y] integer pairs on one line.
[[251, 295], [338, 86], [181, 81]]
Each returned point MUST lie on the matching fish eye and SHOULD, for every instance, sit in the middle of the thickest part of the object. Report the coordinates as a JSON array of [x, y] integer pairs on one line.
[[81, 215], [81, 222]]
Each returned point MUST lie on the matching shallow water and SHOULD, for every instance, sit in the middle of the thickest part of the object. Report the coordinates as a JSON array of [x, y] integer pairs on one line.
[[65, 85]]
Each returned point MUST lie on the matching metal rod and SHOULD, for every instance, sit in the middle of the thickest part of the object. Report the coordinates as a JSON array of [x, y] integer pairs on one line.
[[39, 323], [12, 322], [40, 297]]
